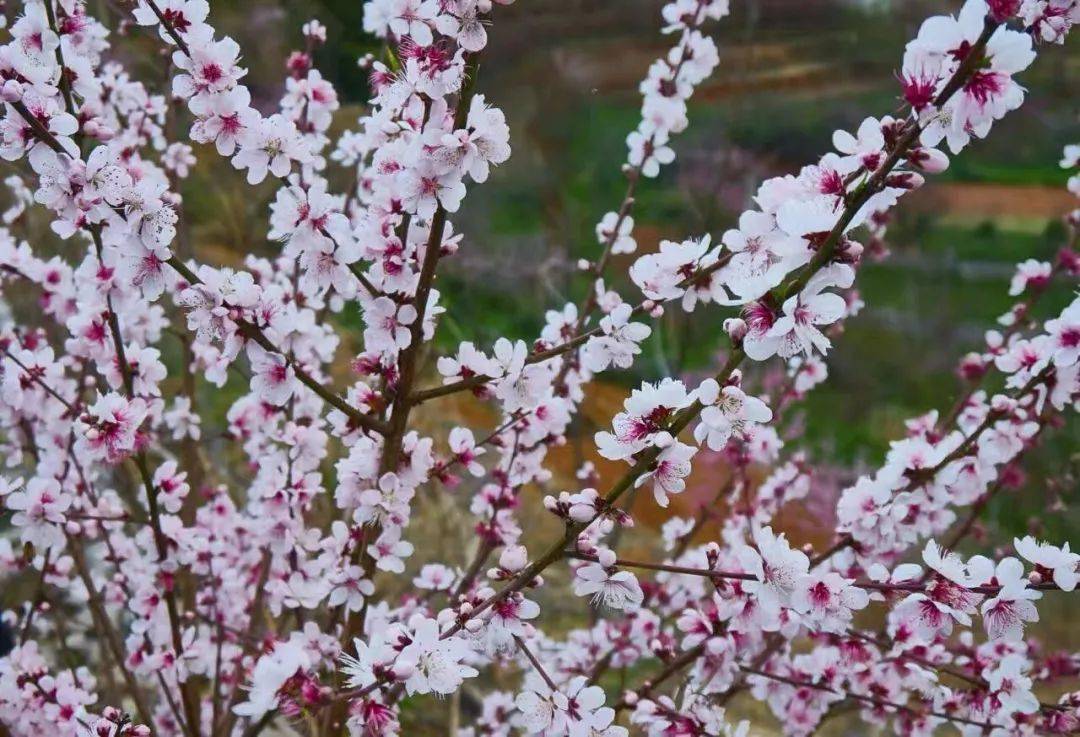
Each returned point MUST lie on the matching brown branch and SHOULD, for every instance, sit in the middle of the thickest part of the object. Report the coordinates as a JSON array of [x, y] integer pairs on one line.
[[108, 631], [254, 333], [880, 703], [536, 664]]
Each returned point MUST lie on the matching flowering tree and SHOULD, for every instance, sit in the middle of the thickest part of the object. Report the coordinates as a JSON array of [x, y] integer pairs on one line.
[[172, 595]]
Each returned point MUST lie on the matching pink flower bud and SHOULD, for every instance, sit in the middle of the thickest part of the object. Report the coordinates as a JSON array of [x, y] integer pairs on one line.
[[1002, 403], [852, 252], [514, 558], [972, 367], [736, 328], [314, 31], [298, 64], [928, 160], [12, 91], [905, 180], [585, 546], [581, 513], [712, 554], [1069, 260], [606, 557]]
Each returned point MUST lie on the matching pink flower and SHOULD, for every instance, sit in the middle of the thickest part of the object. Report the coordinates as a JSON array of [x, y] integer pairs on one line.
[[388, 325], [272, 377], [110, 426], [606, 585], [40, 513], [1004, 615], [796, 330]]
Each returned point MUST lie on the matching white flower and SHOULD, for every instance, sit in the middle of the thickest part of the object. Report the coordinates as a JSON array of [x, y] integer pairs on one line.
[[648, 150], [574, 710], [536, 710], [762, 255], [40, 513], [412, 18], [1012, 686], [1060, 563], [223, 119], [646, 414], [670, 470], [105, 177], [1064, 332], [484, 141], [1029, 273], [621, 238], [425, 188], [619, 343], [465, 450], [866, 149], [436, 663], [350, 589], [778, 568], [272, 377], [828, 600], [210, 67], [1005, 614], [608, 586], [387, 325], [390, 550], [463, 23], [504, 622], [269, 145], [373, 656], [109, 428], [271, 672], [796, 330], [727, 412]]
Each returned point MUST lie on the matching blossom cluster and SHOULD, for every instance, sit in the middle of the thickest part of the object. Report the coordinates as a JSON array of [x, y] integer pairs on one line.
[[189, 575]]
